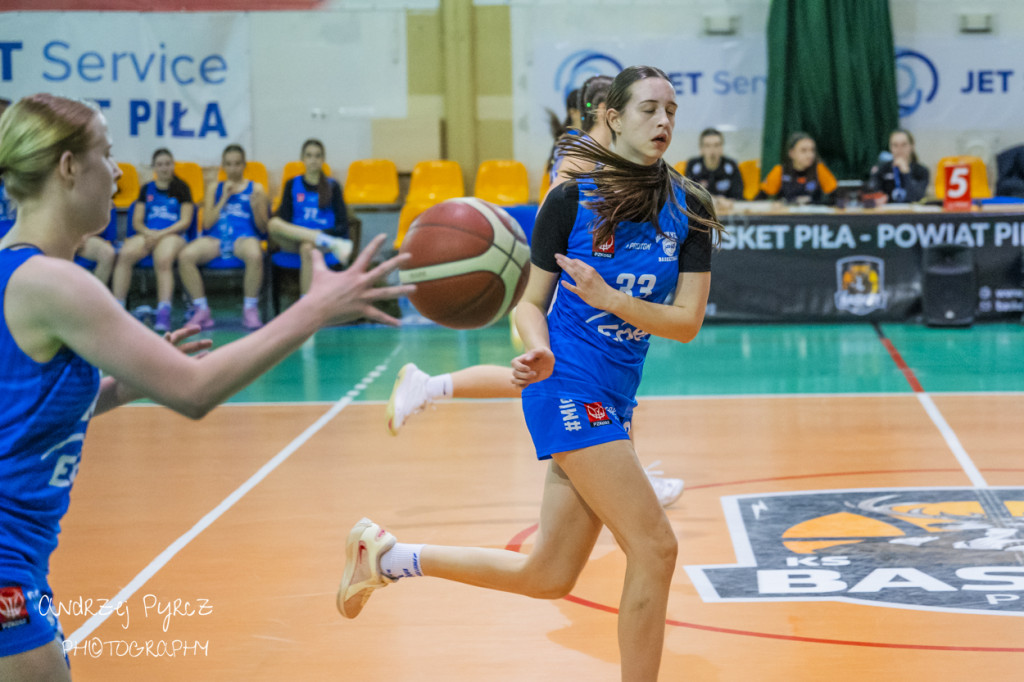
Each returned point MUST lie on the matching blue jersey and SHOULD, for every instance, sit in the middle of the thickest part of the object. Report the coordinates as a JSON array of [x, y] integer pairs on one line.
[[592, 347], [162, 209], [306, 209], [8, 211], [44, 411], [236, 218]]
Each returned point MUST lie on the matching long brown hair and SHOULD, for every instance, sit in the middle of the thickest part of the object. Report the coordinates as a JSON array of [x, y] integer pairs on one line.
[[628, 191], [323, 188]]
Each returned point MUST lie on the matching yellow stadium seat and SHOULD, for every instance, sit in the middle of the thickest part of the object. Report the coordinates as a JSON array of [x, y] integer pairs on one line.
[[192, 174], [291, 170], [127, 186], [371, 181], [980, 188], [545, 185], [432, 182], [255, 171], [435, 181], [681, 167], [410, 211], [502, 182], [750, 170]]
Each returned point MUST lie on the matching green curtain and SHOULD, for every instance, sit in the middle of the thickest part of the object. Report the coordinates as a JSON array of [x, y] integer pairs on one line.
[[831, 73]]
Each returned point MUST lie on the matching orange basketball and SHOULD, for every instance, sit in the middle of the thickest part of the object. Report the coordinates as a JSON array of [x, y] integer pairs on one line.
[[470, 262]]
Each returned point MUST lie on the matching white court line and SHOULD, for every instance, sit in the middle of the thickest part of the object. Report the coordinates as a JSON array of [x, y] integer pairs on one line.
[[161, 560], [966, 463]]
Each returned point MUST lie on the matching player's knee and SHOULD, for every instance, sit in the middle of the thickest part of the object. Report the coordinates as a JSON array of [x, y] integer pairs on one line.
[[550, 582]]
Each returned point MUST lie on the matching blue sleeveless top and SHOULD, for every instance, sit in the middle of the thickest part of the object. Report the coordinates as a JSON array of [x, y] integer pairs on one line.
[[593, 347], [8, 212], [162, 210], [44, 411], [306, 211], [236, 219]]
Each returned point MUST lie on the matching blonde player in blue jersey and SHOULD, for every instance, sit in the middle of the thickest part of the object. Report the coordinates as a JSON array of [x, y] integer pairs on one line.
[[623, 252], [60, 327]]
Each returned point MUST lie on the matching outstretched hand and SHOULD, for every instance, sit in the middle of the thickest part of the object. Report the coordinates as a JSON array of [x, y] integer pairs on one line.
[[179, 339], [588, 283], [350, 294], [532, 366]]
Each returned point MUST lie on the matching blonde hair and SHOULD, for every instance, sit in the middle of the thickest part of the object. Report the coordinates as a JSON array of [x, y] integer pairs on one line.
[[34, 133]]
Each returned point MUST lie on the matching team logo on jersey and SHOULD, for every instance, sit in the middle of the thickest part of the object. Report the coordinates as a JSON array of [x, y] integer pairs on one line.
[[13, 609], [943, 549], [300, 197], [860, 284], [605, 249], [597, 414], [669, 242]]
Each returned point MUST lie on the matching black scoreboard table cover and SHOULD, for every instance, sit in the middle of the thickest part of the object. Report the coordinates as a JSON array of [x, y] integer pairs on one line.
[[844, 265]]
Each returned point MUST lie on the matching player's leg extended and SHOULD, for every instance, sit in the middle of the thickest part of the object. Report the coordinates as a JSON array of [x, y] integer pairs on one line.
[[611, 481]]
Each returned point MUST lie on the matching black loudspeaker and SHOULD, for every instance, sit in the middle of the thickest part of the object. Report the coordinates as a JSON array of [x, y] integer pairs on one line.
[[950, 290]]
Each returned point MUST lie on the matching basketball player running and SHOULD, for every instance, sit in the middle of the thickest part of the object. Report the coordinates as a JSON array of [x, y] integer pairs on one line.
[[580, 380], [61, 327], [414, 389]]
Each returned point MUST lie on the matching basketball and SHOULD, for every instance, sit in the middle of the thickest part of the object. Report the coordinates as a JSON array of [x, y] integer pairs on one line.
[[470, 262]]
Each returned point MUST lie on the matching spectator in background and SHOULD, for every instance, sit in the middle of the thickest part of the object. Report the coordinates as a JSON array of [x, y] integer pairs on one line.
[[312, 215], [570, 124], [235, 220], [801, 178], [902, 179], [161, 217], [719, 174]]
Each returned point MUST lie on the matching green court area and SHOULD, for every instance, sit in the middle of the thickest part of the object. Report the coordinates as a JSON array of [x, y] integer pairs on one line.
[[722, 360]]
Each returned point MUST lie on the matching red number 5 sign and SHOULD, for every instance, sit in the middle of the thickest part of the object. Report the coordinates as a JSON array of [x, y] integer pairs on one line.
[[958, 188]]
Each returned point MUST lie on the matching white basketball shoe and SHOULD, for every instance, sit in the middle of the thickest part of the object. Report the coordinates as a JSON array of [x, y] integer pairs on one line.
[[366, 543], [408, 396], [668, 490]]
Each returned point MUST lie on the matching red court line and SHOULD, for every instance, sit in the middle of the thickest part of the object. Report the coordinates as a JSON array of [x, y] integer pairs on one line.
[[516, 543], [908, 373]]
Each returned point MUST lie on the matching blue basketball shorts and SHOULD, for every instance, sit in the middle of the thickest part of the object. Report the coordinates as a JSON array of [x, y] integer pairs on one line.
[[559, 422], [28, 619]]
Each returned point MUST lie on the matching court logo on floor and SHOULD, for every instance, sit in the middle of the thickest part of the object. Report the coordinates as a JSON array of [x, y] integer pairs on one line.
[[942, 549], [860, 284]]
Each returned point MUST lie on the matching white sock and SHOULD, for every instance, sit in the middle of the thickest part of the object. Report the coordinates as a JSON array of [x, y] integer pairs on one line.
[[323, 241], [200, 303], [402, 561], [250, 301], [439, 386]]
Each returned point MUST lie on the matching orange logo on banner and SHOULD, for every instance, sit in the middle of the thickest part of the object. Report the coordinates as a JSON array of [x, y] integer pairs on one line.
[[958, 188]]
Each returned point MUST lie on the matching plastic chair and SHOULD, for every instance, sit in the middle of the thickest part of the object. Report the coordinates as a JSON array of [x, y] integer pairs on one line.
[[254, 170], [502, 182], [371, 181], [681, 167], [980, 188], [435, 181], [432, 182], [291, 170], [192, 175], [127, 186], [545, 185], [750, 171]]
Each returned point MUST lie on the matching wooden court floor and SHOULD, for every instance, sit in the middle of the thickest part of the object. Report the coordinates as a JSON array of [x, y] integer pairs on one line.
[[841, 536]]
